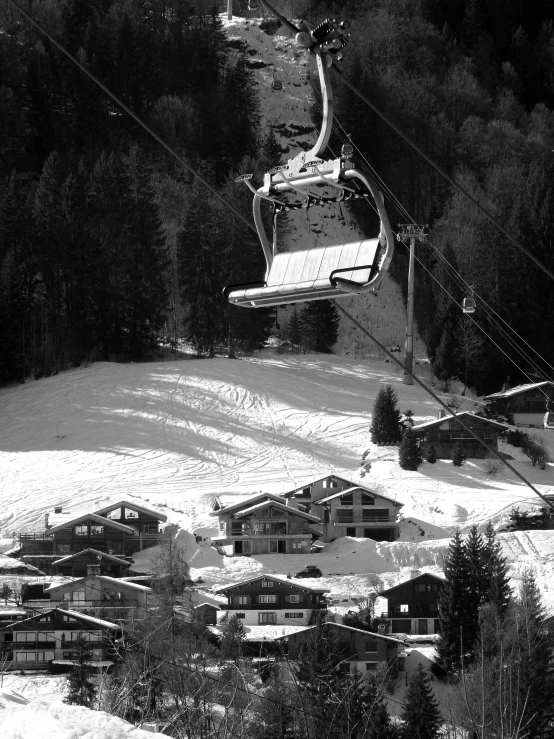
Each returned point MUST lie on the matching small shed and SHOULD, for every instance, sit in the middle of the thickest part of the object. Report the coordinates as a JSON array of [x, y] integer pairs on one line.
[[206, 613], [446, 431]]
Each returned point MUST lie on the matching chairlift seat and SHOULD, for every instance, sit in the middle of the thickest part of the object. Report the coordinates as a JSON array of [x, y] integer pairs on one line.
[[313, 274], [549, 420], [468, 305]]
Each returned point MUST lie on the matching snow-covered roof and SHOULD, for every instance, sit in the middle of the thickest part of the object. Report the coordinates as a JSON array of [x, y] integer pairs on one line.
[[356, 487], [65, 612], [468, 415], [205, 603], [277, 578], [248, 501], [371, 634], [113, 581], [93, 662], [517, 390], [413, 579], [132, 506], [92, 517], [265, 632], [97, 552], [280, 506], [290, 493]]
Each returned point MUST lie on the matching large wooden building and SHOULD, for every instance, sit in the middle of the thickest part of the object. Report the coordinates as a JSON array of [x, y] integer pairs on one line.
[[272, 599], [446, 431], [263, 524], [524, 405], [413, 605]]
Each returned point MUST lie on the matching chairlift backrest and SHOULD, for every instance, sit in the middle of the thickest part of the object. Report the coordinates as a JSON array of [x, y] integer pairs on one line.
[[549, 420], [252, 4]]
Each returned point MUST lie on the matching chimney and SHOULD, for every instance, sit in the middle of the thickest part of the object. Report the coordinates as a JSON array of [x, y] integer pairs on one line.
[[46, 517], [93, 570], [58, 509], [381, 629], [442, 413]]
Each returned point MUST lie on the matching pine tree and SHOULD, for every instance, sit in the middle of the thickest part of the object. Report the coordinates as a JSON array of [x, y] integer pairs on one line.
[[82, 691], [476, 586], [421, 716], [431, 454], [385, 420], [495, 573], [171, 572], [452, 611], [320, 325], [232, 639], [457, 455], [294, 329], [409, 456]]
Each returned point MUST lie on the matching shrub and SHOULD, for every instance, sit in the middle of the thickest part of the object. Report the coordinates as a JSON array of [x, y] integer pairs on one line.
[[431, 454], [457, 455], [492, 465], [409, 456]]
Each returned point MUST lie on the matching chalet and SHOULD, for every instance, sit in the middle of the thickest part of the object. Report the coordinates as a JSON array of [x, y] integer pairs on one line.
[[358, 511], [102, 596], [362, 650], [413, 605], [272, 599], [263, 524], [303, 497], [524, 405], [121, 529], [48, 639], [446, 431], [91, 562]]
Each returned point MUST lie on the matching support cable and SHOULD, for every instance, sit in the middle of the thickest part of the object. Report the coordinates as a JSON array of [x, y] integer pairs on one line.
[[435, 397]]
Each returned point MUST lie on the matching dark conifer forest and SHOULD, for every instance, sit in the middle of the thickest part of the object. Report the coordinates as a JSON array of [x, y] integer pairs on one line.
[[108, 246]]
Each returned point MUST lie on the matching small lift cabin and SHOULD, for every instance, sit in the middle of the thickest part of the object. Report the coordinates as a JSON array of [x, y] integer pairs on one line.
[[322, 272]]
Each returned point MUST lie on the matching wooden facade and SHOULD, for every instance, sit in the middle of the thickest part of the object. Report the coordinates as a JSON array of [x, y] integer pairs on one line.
[[270, 599], [413, 605], [304, 497], [48, 638], [263, 524], [446, 431], [99, 595], [524, 405], [362, 650], [359, 512]]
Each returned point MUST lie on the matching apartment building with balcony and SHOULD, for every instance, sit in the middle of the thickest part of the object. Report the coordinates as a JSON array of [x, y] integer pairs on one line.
[[264, 524], [360, 512], [413, 604], [273, 599], [48, 639]]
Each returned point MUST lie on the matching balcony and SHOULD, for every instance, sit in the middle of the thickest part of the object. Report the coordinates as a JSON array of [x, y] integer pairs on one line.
[[411, 613]]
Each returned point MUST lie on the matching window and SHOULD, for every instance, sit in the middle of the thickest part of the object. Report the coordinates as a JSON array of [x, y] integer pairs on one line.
[[44, 656], [267, 618], [25, 636], [236, 528], [241, 600], [368, 499], [420, 588], [347, 499], [46, 636], [240, 615], [351, 531], [345, 516], [114, 515], [267, 599], [96, 530], [296, 545], [293, 598], [78, 596], [150, 528], [247, 547], [330, 483], [81, 529], [368, 514], [404, 608], [371, 646], [371, 666], [129, 513], [222, 526], [294, 615]]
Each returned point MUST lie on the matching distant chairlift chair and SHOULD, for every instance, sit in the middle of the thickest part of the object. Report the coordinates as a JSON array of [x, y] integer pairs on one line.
[[322, 272]]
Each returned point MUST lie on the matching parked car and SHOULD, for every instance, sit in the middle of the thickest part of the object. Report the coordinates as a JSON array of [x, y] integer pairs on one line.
[[309, 571]]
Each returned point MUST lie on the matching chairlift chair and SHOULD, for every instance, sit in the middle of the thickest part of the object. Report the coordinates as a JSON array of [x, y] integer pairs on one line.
[[468, 304], [334, 271], [253, 5], [549, 420]]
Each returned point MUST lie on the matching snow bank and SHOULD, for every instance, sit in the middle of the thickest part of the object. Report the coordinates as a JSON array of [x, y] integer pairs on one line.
[[43, 720]]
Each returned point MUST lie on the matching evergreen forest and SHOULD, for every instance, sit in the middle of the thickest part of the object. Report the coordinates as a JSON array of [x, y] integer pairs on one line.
[[108, 246]]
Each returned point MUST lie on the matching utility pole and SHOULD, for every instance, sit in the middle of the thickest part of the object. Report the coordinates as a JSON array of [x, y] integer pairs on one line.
[[412, 233], [229, 10]]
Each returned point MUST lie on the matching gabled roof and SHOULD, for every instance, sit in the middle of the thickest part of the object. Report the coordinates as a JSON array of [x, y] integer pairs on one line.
[[205, 603], [113, 581], [80, 617], [290, 493], [92, 517], [282, 507], [468, 417], [369, 634], [277, 578], [517, 390], [248, 502], [384, 593], [99, 554], [132, 506], [357, 487]]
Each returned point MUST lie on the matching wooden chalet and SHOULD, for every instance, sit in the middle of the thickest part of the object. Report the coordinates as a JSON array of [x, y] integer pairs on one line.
[[445, 431], [524, 405], [413, 604], [361, 650], [263, 524], [91, 562], [47, 640], [272, 599], [120, 529]]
